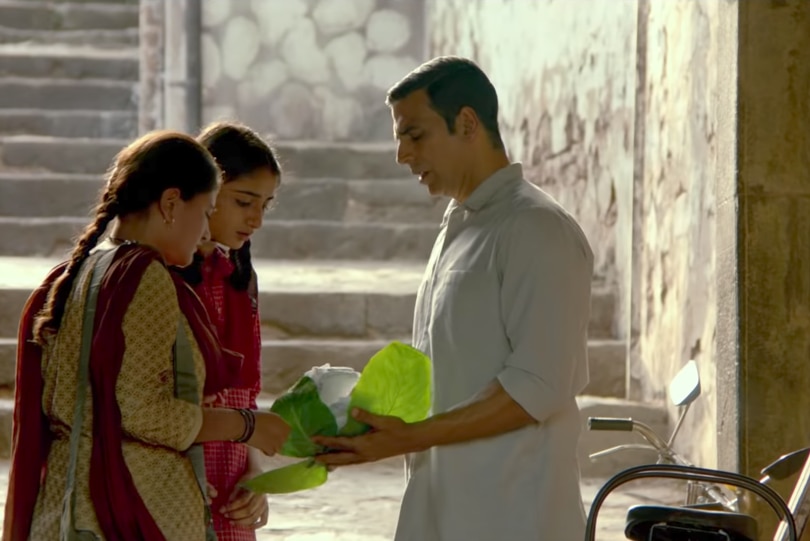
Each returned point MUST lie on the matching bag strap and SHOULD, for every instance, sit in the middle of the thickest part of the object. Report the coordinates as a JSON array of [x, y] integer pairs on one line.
[[186, 387], [96, 274]]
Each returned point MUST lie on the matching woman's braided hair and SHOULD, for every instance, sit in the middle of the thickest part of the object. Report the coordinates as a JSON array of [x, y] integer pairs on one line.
[[139, 175]]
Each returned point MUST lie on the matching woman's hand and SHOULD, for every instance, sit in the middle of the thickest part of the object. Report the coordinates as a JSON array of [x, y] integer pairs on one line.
[[246, 508], [270, 433], [210, 493]]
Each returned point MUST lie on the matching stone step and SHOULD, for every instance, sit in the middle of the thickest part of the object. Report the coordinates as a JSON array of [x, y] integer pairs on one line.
[[31, 14], [66, 94], [100, 39], [95, 124], [313, 299], [283, 361], [314, 159], [48, 61], [63, 155], [128, 2], [361, 314], [49, 236], [383, 200], [301, 159], [377, 200], [26, 194]]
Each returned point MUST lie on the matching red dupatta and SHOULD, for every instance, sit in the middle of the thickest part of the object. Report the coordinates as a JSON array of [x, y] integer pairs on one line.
[[31, 436], [119, 508]]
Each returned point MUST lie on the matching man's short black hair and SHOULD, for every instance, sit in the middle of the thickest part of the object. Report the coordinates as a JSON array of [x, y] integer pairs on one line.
[[452, 82]]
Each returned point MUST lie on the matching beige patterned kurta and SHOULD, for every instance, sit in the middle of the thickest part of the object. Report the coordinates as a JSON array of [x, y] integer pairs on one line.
[[157, 426]]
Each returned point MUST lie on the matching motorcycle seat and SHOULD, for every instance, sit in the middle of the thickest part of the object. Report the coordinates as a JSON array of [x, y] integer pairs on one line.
[[641, 519]]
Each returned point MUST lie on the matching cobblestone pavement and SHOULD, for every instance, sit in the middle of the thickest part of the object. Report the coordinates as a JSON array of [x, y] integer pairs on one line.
[[361, 504]]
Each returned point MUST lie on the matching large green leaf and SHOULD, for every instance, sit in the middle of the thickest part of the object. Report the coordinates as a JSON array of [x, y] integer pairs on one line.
[[395, 382], [307, 416], [299, 476]]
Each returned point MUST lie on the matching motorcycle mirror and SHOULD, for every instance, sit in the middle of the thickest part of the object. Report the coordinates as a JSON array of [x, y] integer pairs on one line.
[[786, 465], [685, 386]]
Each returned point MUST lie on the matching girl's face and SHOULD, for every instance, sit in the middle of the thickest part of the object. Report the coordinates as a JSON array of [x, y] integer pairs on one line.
[[241, 205]]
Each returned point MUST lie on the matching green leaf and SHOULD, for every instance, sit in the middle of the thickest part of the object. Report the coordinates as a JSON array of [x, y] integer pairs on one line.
[[307, 416], [395, 382], [299, 476]]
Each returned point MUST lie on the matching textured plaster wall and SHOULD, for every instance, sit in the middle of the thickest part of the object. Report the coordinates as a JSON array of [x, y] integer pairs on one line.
[[566, 83], [678, 302]]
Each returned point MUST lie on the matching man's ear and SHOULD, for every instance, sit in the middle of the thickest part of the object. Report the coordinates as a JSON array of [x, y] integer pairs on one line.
[[467, 123]]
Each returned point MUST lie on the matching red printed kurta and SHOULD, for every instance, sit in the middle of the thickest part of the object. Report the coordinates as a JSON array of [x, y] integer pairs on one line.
[[226, 463]]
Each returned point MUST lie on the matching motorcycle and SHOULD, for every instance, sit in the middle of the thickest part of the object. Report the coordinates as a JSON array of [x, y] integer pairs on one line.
[[710, 512], [668, 523]]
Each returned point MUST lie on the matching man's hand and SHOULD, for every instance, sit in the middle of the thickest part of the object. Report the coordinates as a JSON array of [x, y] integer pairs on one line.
[[489, 413], [389, 436]]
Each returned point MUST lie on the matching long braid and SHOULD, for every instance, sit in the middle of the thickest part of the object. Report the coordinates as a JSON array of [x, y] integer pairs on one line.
[[49, 319]]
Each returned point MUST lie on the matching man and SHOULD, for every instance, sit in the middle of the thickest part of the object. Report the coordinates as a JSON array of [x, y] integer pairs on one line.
[[503, 313]]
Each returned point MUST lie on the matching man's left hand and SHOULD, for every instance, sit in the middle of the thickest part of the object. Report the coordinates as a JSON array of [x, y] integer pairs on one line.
[[389, 436]]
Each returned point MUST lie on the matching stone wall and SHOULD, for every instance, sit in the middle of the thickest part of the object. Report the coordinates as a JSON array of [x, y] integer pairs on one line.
[[308, 69], [678, 294], [565, 78]]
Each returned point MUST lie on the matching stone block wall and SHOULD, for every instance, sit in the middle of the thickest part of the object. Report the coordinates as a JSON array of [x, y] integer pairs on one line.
[[309, 69], [566, 83]]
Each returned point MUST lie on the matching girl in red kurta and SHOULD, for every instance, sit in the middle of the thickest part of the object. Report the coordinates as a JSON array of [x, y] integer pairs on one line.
[[223, 277]]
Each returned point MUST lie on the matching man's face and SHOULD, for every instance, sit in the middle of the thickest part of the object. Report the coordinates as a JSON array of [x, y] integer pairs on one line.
[[426, 145]]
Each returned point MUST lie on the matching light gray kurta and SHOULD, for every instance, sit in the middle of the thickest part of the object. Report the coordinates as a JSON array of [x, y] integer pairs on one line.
[[506, 295]]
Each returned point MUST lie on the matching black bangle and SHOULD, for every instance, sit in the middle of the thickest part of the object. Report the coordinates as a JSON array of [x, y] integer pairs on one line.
[[249, 416]]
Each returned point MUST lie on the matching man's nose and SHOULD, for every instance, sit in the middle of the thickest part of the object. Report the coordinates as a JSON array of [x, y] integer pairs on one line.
[[404, 154]]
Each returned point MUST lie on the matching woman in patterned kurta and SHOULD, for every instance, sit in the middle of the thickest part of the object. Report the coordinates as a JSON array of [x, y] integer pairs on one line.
[[134, 480], [223, 277]]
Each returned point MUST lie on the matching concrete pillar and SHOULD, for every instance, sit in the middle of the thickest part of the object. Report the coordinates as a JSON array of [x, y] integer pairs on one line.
[[763, 232], [182, 82], [151, 28], [635, 368], [170, 65]]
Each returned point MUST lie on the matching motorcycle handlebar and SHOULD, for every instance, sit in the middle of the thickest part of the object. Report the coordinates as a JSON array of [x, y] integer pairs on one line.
[[610, 423], [629, 425]]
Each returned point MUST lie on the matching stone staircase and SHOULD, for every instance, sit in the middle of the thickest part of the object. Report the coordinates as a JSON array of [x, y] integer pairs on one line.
[[339, 259]]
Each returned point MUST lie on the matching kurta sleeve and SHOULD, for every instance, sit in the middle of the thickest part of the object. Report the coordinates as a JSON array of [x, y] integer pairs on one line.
[[545, 305], [145, 387]]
